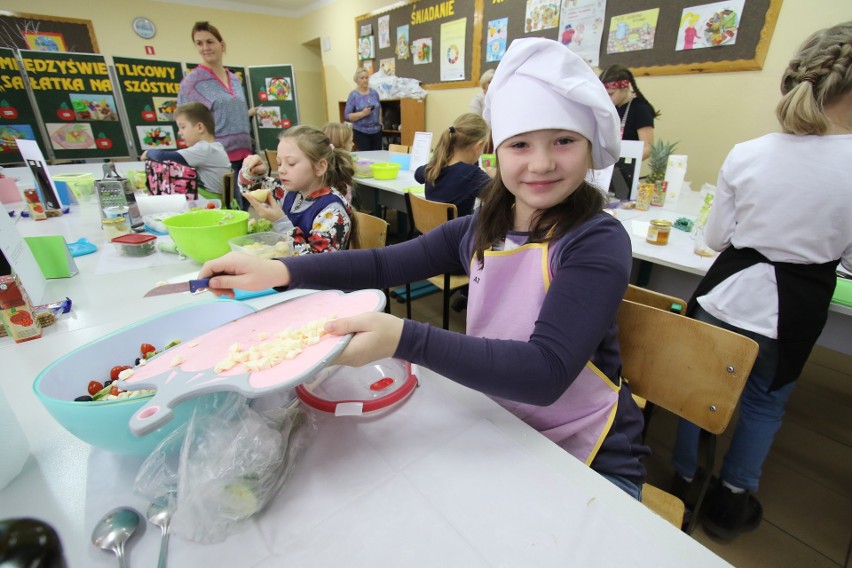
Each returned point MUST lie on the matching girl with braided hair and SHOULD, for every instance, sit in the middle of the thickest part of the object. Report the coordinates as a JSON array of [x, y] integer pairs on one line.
[[452, 175], [781, 221]]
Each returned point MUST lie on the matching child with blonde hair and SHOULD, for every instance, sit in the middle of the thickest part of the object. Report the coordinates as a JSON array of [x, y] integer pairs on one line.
[[310, 169], [453, 174], [340, 135]]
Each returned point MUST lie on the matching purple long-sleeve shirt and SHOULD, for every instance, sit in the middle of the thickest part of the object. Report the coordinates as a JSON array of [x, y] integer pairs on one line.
[[576, 323]]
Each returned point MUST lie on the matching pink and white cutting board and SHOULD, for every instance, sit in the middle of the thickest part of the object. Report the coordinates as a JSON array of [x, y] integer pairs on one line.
[[194, 374]]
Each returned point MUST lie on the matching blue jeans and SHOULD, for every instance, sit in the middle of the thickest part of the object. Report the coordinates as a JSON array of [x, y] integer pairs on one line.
[[761, 412], [624, 484]]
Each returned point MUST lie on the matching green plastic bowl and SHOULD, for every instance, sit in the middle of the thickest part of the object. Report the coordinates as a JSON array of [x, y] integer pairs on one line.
[[203, 234], [82, 185]]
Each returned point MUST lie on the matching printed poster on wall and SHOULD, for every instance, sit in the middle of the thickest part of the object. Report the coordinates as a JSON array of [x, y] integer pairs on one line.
[[76, 103], [384, 32], [498, 35], [541, 15], [709, 25], [149, 90], [632, 32], [453, 50], [17, 117], [402, 47], [581, 28], [273, 90]]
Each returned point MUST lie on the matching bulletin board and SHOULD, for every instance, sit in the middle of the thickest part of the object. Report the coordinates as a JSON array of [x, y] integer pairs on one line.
[[149, 91], [435, 20], [17, 117], [47, 33], [273, 91], [76, 103], [742, 49]]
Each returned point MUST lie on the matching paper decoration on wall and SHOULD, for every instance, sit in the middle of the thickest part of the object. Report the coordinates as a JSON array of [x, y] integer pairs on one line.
[[402, 47], [64, 136], [45, 41], [366, 29], [9, 133], [388, 66], [367, 65], [278, 89], [709, 25], [159, 137], [581, 28], [268, 117], [421, 51], [632, 32], [165, 108], [366, 47], [384, 32], [541, 15], [453, 49], [495, 45], [93, 107]]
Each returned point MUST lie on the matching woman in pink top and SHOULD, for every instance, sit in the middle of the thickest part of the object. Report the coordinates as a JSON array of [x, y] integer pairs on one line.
[[220, 90]]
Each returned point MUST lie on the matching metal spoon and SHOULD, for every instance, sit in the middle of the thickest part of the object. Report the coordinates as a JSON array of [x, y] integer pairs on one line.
[[160, 514], [114, 529]]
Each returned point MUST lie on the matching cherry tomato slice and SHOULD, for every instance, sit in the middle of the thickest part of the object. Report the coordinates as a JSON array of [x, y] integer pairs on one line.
[[94, 387], [147, 348], [113, 373]]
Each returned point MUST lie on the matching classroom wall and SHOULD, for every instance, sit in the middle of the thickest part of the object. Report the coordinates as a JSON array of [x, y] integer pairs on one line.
[[707, 114], [250, 38]]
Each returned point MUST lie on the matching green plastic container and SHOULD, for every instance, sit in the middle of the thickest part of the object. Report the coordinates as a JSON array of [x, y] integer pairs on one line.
[[843, 292], [203, 234], [82, 185]]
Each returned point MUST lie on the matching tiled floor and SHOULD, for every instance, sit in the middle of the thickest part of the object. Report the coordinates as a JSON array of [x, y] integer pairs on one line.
[[806, 489]]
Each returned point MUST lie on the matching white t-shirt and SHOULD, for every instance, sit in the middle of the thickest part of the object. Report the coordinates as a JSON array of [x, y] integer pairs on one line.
[[788, 197], [212, 163]]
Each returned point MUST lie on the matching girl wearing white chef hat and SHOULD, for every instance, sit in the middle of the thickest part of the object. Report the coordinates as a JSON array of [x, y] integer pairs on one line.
[[548, 268]]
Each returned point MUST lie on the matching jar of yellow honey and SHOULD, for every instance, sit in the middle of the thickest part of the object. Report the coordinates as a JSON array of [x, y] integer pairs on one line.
[[658, 232]]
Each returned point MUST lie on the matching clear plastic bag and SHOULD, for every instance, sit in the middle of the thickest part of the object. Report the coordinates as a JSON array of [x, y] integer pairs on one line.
[[225, 465]]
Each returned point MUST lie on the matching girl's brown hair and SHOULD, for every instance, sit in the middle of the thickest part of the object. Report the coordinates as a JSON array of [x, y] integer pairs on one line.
[[817, 76], [496, 215], [339, 133], [206, 27], [467, 130]]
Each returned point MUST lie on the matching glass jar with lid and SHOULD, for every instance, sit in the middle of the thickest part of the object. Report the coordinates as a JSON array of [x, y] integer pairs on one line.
[[658, 231], [115, 227]]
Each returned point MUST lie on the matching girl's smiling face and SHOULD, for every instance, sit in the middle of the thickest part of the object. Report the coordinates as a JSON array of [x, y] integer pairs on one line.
[[209, 48], [295, 169], [541, 169]]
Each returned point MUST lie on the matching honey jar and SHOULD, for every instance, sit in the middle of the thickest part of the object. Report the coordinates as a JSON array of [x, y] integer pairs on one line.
[[115, 227], [658, 232]]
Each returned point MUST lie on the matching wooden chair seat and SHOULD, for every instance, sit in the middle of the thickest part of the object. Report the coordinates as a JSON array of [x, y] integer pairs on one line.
[[691, 368], [398, 148], [425, 215], [664, 504]]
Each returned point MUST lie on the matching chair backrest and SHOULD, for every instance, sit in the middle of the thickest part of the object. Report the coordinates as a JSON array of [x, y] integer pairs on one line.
[[655, 299], [425, 215], [398, 148], [691, 368], [372, 231], [227, 189], [271, 160]]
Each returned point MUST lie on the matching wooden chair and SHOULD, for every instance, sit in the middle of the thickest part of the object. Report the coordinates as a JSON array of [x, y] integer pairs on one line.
[[423, 216], [271, 161], [371, 232], [398, 148], [691, 368], [655, 299]]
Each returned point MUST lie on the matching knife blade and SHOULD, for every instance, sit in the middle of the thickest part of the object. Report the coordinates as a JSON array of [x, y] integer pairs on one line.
[[191, 286]]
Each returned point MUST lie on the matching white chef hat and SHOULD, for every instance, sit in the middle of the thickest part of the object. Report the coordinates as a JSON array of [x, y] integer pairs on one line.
[[541, 84]]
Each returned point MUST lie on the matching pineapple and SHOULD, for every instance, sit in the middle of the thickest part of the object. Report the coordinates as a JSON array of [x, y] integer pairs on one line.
[[659, 159]]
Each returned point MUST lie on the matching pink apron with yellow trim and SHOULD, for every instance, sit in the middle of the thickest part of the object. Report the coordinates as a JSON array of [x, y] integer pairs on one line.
[[504, 301]]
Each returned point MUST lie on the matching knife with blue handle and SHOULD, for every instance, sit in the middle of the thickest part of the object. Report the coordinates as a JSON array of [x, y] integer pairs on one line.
[[191, 286]]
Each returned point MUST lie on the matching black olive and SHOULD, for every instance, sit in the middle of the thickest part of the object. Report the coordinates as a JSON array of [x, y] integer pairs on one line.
[[107, 383], [84, 398], [137, 361]]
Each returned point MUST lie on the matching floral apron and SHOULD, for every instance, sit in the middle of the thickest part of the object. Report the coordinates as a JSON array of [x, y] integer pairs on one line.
[[518, 280]]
